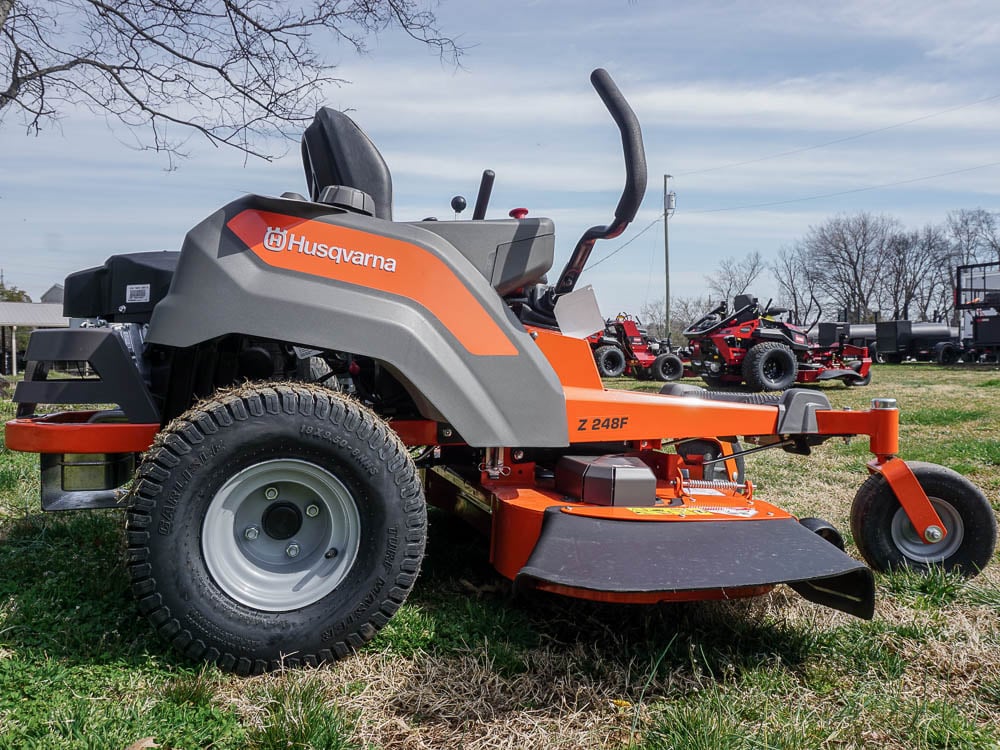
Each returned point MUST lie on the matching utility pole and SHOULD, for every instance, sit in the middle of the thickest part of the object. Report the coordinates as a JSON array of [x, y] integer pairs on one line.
[[669, 204]]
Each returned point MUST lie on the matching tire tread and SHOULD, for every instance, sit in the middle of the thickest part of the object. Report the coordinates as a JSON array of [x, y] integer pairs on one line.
[[240, 404]]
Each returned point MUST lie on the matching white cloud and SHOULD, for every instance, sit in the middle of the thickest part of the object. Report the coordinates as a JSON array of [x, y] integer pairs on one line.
[[713, 84], [956, 29]]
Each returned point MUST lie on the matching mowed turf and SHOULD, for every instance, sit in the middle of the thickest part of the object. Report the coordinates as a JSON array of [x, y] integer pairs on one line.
[[464, 664]]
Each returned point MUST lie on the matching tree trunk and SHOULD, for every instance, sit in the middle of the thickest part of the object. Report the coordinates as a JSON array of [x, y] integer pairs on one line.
[[5, 8]]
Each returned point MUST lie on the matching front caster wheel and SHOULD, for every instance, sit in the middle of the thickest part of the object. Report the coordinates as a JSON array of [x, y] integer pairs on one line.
[[667, 368], [274, 525], [858, 382], [888, 541], [610, 361]]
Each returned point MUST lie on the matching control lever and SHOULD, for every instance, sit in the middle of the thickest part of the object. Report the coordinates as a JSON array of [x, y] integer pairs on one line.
[[483, 199]]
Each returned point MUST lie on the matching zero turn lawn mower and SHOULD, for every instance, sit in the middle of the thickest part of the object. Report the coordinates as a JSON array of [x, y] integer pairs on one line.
[[272, 519], [623, 348], [751, 346]]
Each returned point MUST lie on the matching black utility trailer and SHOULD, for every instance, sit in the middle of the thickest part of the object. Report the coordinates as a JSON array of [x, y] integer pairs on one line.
[[977, 301]]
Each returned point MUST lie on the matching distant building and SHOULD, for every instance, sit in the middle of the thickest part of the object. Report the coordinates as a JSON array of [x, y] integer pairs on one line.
[[14, 315], [54, 296]]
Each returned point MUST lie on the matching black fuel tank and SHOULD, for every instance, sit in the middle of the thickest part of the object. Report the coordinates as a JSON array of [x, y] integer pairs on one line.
[[124, 290]]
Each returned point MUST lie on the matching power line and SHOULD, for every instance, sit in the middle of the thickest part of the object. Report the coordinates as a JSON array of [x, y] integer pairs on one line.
[[621, 247], [840, 140], [659, 218]]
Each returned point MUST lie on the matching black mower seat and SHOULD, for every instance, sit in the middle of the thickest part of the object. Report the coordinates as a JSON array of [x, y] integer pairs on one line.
[[510, 253], [335, 151]]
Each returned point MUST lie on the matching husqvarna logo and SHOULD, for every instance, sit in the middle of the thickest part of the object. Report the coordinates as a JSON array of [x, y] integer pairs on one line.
[[279, 240], [275, 239]]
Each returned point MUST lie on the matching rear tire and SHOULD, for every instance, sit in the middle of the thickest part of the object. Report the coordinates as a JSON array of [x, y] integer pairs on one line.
[[770, 366], [949, 355], [610, 361], [274, 525], [888, 541], [667, 367]]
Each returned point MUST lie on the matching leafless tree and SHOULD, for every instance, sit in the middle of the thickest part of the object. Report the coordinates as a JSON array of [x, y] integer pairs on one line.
[[652, 316], [735, 275], [233, 71], [974, 235], [798, 284], [847, 253], [683, 312], [915, 267]]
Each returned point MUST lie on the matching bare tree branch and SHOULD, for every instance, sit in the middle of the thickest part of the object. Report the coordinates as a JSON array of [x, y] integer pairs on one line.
[[798, 284], [235, 72], [735, 275]]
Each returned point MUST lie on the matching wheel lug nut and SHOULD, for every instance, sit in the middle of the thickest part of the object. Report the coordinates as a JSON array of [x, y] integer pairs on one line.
[[331, 553], [251, 533], [933, 534], [292, 550], [312, 511], [271, 493]]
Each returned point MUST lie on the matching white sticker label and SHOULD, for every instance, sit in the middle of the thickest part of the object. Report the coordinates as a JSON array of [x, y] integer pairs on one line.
[[727, 511], [137, 293]]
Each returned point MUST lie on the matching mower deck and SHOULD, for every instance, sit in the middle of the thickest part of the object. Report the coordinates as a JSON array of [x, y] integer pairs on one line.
[[695, 540], [675, 560]]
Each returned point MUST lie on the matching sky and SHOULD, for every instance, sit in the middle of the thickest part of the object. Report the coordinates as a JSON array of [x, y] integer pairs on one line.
[[772, 117]]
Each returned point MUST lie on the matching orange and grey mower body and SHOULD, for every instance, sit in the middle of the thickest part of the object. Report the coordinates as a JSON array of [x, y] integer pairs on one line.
[[276, 403]]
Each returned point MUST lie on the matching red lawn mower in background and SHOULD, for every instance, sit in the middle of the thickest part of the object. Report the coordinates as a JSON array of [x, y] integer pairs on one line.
[[749, 345], [623, 348]]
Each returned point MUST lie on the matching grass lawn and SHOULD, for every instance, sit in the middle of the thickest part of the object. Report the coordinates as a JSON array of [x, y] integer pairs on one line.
[[465, 665]]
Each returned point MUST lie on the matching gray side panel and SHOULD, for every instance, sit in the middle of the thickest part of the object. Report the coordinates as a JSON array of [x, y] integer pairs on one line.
[[220, 287]]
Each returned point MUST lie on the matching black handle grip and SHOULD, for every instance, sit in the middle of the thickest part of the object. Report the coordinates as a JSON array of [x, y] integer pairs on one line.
[[635, 155], [483, 199], [635, 182]]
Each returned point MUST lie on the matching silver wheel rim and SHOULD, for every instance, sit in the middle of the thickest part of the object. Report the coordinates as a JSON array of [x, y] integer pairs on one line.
[[278, 571], [909, 543]]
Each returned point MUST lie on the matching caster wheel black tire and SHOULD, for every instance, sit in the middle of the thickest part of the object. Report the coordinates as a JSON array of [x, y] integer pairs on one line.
[[274, 525], [859, 382], [667, 367], [825, 529], [888, 541], [610, 361], [714, 382]]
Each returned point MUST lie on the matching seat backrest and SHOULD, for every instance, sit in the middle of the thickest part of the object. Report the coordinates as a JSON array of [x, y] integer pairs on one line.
[[335, 151]]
